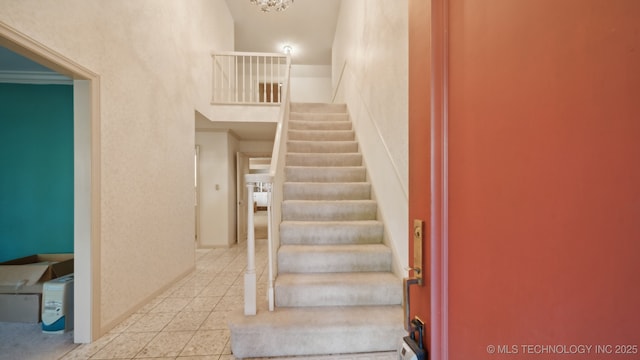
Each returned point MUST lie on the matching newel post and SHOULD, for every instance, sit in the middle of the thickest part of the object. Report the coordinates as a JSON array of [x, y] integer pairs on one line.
[[250, 296]]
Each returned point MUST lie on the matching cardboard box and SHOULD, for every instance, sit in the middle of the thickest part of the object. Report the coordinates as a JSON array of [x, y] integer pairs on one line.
[[20, 308], [21, 282]]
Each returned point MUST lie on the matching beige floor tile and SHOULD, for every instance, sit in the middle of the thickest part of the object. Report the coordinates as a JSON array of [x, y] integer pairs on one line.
[[229, 303], [227, 348], [214, 289], [188, 291], [125, 346], [236, 290], [187, 320], [132, 319], [217, 320], [226, 278], [206, 342], [151, 322], [150, 305], [85, 351], [171, 304], [202, 303], [166, 344], [200, 281]]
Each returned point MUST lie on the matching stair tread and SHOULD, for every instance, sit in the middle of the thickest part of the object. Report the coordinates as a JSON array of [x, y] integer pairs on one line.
[[324, 154], [325, 168], [334, 248], [324, 159], [332, 142], [293, 114], [321, 130], [316, 330], [306, 202], [312, 318], [331, 223], [337, 183], [350, 278], [338, 289], [325, 173]]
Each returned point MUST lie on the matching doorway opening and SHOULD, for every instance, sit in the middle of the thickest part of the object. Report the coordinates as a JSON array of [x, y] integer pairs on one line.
[[251, 163], [86, 165]]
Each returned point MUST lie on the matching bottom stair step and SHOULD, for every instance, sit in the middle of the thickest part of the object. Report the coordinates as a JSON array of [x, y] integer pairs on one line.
[[338, 289], [316, 331]]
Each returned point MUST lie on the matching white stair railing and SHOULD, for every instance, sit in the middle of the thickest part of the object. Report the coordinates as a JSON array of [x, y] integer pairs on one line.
[[249, 78], [274, 182]]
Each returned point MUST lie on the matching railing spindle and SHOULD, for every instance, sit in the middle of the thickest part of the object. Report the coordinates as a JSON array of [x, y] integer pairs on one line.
[[245, 72]]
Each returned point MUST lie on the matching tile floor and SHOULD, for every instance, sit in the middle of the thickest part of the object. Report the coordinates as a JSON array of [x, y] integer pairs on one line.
[[188, 321]]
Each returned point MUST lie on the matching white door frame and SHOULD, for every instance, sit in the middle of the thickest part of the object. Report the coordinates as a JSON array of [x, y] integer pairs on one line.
[[242, 168], [86, 114]]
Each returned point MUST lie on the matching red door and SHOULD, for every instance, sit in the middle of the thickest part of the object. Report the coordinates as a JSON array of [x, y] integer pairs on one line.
[[538, 252]]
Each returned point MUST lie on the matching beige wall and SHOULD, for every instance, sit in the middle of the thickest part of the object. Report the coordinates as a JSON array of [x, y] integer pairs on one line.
[[370, 74], [218, 164], [311, 83], [217, 188], [154, 64]]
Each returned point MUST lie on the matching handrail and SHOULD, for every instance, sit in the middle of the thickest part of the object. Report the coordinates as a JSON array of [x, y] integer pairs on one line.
[[274, 180]]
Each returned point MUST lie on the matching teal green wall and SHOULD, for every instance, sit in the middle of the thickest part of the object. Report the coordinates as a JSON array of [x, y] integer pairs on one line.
[[36, 169]]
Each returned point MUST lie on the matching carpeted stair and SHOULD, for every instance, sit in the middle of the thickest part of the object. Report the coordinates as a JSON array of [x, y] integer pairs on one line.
[[335, 291]]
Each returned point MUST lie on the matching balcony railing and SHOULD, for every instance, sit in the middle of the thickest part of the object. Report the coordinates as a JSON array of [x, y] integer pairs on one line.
[[258, 79], [249, 78]]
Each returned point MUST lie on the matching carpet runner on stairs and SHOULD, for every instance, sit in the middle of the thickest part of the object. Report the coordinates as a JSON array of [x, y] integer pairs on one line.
[[335, 291]]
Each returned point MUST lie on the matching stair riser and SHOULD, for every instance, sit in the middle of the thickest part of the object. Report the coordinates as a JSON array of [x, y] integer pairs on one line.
[[301, 146], [312, 340], [318, 211], [324, 159], [321, 234], [319, 125], [321, 135], [318, 108], [300, 116], [311, 191], [329, 262], [338, 295], [323, 174]]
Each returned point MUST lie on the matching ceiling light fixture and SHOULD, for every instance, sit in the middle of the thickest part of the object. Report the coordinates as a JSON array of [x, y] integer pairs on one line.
[[287, 49], [268, 5]]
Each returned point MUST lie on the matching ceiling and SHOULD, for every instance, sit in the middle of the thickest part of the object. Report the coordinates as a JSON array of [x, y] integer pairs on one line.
[[308, 26], [242, 130], [10, 61]]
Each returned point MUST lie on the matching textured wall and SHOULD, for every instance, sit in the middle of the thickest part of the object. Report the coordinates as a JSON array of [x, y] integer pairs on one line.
[[36, 162], [370, 72], [372, 39], [217, 185], [311, 83], [154, 64]]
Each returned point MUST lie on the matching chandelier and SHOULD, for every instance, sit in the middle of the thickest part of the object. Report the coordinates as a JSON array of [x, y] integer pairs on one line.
[[268, 5]]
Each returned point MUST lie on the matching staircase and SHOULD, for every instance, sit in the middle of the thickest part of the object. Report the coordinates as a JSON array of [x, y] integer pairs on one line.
[[335, 291]]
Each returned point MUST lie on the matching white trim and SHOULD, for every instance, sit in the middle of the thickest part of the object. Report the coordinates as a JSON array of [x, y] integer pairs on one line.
[[34, 77]]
